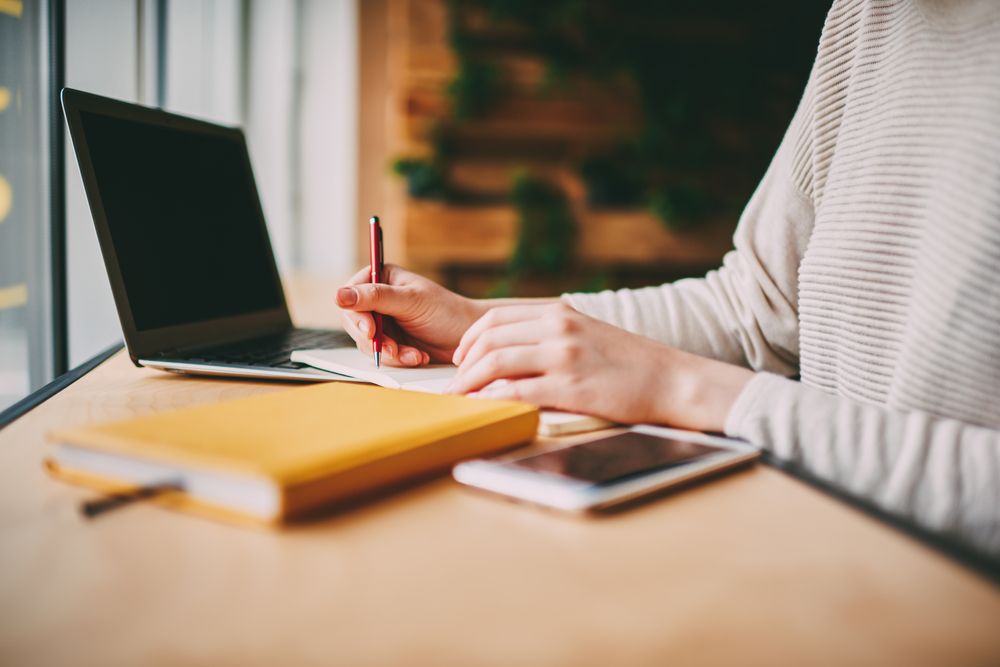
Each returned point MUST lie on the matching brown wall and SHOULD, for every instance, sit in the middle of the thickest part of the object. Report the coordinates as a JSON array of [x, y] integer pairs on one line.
[[373, 149]]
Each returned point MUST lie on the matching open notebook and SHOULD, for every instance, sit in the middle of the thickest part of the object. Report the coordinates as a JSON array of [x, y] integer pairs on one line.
[[433, 379]]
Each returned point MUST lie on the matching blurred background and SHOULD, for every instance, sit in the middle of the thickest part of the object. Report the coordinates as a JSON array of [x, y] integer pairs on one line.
[[511, 147]]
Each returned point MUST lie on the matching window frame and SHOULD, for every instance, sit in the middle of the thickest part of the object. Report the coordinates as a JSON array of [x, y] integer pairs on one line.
[[56, 20]]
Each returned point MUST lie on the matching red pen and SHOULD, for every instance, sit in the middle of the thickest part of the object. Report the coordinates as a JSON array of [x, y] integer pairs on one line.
[[377, 265]]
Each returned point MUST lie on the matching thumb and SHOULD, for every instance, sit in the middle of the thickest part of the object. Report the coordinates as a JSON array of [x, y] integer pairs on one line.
[[378, 297]]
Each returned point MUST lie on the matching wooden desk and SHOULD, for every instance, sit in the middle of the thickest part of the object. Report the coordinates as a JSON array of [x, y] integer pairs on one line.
[[755, 568]]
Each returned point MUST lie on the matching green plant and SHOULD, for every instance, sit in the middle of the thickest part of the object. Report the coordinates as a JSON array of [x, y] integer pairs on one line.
[[697, 72], [714, 85], [681, 206], [424, 179], [474, 89], [547, 233]]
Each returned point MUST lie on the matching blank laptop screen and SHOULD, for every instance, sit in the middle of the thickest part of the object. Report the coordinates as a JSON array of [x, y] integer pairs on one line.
[[183, 215]]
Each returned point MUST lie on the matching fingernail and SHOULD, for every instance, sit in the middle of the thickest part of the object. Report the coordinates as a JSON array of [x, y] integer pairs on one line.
[[410, 357], [347, 296], [364, 325]]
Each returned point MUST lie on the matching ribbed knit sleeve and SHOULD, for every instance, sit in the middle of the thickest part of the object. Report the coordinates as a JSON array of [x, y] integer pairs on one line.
[[939, 473], [746, 311], [867, 263]]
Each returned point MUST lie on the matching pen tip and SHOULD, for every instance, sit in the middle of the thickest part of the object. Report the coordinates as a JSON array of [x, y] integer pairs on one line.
[[373, 220], [378, 359]]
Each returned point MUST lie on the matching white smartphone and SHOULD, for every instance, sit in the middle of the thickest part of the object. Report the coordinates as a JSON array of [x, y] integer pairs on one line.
[[601, 473]]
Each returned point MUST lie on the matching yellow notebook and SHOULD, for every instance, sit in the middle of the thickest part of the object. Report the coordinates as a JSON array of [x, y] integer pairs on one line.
[[273, 457]]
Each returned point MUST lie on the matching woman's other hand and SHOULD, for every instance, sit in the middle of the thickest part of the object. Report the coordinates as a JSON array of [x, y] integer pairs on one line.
[[554, 356]]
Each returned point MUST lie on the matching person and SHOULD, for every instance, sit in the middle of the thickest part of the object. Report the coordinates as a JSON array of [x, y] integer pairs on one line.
[[865, 263]]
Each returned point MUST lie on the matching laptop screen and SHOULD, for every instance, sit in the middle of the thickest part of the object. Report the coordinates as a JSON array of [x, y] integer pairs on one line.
[[183, 215]]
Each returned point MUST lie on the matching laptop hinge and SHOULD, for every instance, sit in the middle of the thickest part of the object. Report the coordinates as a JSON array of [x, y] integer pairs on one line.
[[184, 350]]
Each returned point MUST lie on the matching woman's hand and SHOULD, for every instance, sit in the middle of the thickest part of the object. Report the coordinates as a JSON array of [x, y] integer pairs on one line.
[[555, 357], [427, 320]]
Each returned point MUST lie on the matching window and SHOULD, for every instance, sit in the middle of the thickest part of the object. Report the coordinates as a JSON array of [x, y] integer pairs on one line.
[[26, 346], [287, 71]]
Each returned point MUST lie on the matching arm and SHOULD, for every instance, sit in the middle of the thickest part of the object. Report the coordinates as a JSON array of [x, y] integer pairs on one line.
[[678, 360], [744, 313], [940, 473]]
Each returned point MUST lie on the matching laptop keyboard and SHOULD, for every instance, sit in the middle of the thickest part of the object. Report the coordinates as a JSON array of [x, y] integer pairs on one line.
[[271, 351]]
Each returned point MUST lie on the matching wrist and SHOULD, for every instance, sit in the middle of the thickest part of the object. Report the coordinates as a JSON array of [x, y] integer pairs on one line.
[[475, 308], [702, 391]]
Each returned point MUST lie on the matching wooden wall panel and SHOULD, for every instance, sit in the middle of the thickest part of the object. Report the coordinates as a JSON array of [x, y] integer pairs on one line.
[[544, 134]]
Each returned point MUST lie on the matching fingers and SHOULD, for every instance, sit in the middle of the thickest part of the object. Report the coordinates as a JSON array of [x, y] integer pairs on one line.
[[360, 326], [395, 353], [398, 354], [505, 363], [408, 356], [379, 297], [535, 390], [500, 316], [506, 335], [359, 294]]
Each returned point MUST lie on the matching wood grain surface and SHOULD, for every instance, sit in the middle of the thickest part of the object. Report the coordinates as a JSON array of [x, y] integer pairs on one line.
[[754, 568]]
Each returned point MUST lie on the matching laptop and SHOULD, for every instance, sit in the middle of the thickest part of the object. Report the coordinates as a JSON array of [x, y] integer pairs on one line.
[[185, 244]]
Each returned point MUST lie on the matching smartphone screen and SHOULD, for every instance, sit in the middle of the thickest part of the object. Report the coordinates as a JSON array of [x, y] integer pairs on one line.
[[617, 458]]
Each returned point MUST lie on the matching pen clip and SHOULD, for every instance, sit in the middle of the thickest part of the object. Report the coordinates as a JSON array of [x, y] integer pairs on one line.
[[381, 252]]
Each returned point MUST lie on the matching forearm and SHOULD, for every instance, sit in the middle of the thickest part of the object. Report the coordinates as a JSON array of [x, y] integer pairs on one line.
[[728, 316], [940, 473]]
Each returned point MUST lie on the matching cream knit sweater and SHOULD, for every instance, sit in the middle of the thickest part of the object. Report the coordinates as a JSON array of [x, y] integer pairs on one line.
[[867, 263]]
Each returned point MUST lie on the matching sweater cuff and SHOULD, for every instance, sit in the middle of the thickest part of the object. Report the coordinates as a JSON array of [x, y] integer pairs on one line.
[[578, 301], [603, 306], [751, 403]]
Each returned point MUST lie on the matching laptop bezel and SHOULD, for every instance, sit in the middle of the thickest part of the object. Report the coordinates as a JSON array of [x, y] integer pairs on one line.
[[153, 342]]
